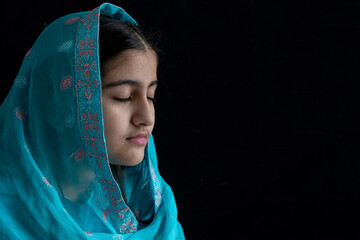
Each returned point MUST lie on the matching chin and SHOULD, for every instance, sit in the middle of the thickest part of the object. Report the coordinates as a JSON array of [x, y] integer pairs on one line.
[[127, 161]]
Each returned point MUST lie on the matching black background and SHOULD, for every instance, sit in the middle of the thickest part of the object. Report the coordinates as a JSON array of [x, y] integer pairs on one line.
[[258, 109]]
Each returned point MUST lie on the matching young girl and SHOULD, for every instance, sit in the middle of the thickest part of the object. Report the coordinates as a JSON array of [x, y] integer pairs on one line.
[[77, 156]]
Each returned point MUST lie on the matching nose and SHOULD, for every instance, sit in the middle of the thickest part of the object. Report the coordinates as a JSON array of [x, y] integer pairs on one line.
[[143, 114]]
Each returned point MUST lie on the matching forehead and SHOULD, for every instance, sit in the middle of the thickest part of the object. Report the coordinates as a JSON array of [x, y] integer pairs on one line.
[[138, 65]]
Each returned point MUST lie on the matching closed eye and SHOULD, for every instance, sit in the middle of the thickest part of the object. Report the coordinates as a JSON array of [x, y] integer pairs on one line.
[[124, 99], [129, 99]]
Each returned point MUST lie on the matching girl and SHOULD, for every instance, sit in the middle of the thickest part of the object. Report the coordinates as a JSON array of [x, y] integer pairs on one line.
[[77, 156]]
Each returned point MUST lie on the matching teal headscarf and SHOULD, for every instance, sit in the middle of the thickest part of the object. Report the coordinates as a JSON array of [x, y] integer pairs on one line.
[[56, 181]]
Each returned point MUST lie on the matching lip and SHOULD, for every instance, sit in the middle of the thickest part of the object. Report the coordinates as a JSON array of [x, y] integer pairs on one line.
[[140, 138]]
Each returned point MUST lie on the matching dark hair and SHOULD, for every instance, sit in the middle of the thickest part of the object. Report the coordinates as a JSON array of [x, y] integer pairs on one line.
[[116, 36]]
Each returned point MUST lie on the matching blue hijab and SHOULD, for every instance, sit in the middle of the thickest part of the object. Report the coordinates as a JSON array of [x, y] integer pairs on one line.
[[56, 181]]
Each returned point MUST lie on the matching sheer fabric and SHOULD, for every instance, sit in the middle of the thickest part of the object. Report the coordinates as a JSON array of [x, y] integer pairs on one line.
[[56, 181]]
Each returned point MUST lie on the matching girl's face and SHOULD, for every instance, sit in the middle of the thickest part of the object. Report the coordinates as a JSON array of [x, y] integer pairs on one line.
[[129, 83]]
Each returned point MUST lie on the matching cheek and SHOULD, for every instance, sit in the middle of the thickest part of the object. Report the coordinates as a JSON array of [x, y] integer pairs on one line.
[[115, 121]]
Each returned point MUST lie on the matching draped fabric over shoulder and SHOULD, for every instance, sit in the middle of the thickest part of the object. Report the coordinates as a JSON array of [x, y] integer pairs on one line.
[[56, 181]]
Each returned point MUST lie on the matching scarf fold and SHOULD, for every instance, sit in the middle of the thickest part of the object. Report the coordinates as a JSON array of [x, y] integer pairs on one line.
[[56, 181]]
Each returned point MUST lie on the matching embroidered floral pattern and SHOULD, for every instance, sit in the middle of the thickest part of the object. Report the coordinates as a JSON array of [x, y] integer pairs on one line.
[[86, 67], [87, 47], [128, 227], [99, 158], [19, 114], [89, 234], [88, 94], [88, 85], [94, 141], [66, 83], [69, 121], [78, 155], [89, 18], [108, 185], [90, 121], [105, 215], [65, 46], [72, 20], [156, 185], [20, 81]]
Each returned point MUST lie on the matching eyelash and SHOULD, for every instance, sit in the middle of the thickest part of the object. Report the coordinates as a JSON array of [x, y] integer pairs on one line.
[[125, 100]]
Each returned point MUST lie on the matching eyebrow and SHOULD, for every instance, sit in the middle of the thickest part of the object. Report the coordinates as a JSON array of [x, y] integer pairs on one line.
[[128, 82]]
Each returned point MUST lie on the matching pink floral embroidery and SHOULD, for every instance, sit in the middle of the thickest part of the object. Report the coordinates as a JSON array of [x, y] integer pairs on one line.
[[158, 198], [86, 66], [157, 186], [87, 73], [66, 83], [90, 16], [99, 158], [128, 226], [86, 47], [120, 212], [90, 121], [107, 185], [115, 203], [78, 155], [89, 234], [93, 140], [105, 215], [88, 85], [46, 181], [72, 20], [28, 53], [19, 114]]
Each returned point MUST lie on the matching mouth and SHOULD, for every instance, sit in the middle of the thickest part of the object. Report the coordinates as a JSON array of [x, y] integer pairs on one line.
[[140, 139]]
